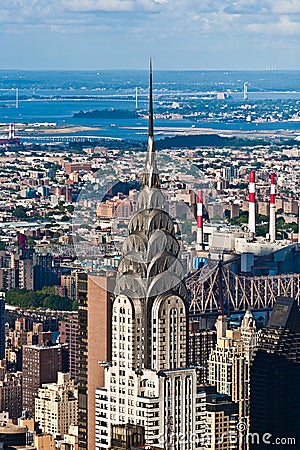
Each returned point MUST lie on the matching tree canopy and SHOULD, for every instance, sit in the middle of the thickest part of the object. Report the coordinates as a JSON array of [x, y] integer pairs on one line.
[[45, 298]]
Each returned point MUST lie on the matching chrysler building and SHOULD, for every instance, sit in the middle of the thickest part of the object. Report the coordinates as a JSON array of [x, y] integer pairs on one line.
[[148, 383]]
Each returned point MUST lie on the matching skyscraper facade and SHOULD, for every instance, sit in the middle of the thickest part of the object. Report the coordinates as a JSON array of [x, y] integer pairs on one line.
[[68, 334], [2, 325], [82, 360], [228, 367], [40, 365], [99, 340], [275, 375], [94, 346], [201, 343], [221, 423], [56, 405]]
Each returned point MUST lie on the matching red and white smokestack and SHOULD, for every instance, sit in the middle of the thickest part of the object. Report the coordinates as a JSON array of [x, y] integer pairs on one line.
[[252, 212], [199, 221], [11, 131], [272, 225]]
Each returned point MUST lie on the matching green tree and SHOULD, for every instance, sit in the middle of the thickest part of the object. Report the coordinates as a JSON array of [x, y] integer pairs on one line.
[[45, 298], [75, 305], [70, 208], [20, 213]]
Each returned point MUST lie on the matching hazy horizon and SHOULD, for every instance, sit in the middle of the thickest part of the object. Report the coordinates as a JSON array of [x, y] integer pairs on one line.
[[132, 69]]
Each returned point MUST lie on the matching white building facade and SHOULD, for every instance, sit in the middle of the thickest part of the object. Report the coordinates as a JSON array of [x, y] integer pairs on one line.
[[56, 406]]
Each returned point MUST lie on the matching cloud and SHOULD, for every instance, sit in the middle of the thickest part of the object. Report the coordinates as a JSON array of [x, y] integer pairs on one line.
[[283, 27], [167, 18], [251, 7], [98, 5], [255, 7], [215, 32], [286, 6], [111, 5], [49, 12], [23, 11]]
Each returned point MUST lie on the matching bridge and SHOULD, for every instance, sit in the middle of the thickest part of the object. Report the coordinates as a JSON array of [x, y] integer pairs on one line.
[[215, 288], [14, 96]]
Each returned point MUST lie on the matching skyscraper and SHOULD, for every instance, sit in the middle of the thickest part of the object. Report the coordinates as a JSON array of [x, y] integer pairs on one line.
[[228, 364], [221, 423], [10, 392], [94, 345], [40, 365], [99, 341], [2, 325], [275, 375], [147, 382], [68, 334], [82, 360], [201, 343]]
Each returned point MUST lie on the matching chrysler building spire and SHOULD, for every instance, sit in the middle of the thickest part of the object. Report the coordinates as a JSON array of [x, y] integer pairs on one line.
[[150, 124], [151, 177]]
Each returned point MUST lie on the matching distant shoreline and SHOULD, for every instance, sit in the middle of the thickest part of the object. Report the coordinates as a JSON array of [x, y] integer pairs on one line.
[[106, 114]]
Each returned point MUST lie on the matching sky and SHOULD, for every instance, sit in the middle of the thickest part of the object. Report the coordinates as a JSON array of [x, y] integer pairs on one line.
[[123, 34]]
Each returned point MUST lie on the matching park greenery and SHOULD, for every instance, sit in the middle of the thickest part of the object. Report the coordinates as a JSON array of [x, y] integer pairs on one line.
[[45, 298]]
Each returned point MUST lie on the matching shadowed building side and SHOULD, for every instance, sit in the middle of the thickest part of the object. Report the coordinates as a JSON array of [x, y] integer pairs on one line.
[[99, 300], [275, 375], [82, 360]]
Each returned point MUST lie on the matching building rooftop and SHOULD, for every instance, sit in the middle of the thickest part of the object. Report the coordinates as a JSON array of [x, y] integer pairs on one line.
[[285, 314], [9, 428]]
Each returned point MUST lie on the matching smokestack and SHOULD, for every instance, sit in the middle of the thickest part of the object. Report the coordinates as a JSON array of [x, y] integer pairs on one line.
[[251, 218], [272, 225], [11, 131], [199, 221]]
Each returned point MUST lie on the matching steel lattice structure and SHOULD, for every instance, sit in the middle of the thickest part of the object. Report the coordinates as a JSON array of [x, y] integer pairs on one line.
[[220, 288]]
